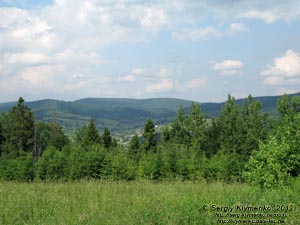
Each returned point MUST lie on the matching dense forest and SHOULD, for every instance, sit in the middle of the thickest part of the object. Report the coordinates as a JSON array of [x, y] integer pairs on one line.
[[242, 144]]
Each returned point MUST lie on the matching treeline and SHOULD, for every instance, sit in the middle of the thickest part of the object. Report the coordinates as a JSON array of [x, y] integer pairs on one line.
[[243, 144]]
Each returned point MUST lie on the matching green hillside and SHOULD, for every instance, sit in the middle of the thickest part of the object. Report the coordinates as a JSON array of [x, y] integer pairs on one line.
[[212, 110], [117, 114], [122, 114]]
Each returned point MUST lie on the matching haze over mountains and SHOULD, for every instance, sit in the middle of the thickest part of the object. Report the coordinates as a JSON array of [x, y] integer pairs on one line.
[[123, 114]]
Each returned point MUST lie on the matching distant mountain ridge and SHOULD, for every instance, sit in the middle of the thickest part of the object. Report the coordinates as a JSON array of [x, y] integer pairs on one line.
[[118, 114], [123, 114]]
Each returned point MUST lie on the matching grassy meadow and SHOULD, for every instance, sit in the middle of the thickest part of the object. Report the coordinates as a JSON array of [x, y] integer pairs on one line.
[[136, 202]]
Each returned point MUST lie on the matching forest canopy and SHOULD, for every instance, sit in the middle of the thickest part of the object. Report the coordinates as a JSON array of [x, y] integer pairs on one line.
[[242, 144]]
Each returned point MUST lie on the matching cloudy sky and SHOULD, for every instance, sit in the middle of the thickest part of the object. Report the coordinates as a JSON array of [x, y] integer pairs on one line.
[[190, 49]]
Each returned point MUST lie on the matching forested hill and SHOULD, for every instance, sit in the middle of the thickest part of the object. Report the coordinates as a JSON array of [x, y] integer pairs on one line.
[[120, 114], [212, 110]]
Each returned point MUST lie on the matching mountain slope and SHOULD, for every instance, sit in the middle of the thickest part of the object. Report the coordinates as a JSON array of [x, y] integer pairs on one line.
[[123, 114], [117, 114], [269, 105]]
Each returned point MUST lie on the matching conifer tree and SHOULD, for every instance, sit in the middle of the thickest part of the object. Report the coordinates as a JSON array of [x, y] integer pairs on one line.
[[18, 129], [211, 143], [91, 135], [254, 125], [196, 123], [134, 147], [106, 138], [230, 125], [166, 135], [180, 133], [1, 135], [134, 143], [149, 136]]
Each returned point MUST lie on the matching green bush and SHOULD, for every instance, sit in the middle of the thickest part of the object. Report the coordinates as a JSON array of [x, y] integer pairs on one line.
[[19, 169], [278, 159]]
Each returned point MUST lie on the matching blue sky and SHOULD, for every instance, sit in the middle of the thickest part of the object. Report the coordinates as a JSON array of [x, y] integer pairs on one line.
[[196, 50]]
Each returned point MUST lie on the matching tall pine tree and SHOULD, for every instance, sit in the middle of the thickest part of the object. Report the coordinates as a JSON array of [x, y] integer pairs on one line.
[[180, 132], [106, 138], [18, 129], [91, 134], [149, 136], [134, 148]]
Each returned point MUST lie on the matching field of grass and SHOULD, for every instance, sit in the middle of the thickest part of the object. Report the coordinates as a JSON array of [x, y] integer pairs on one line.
[[141, 202]]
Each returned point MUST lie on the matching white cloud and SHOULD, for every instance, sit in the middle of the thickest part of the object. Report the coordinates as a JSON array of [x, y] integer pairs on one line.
[[274, 81], [285, 70], [209, 32], [137, 71], [281, 91], [228, 64], [40, 76], [265, 15], [237, 27], [69, 56], [271, 12], [71, 34], [153, 18], [229, 67], [164, 72], [197, 83], [288, 65], [128, 78], [34, 81], [196, 34], [161, 86], [25, 58], [12, 15], [77, 76]]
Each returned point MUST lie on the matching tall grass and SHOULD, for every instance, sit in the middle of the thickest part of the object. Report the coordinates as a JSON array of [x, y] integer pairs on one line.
[[137, 202]]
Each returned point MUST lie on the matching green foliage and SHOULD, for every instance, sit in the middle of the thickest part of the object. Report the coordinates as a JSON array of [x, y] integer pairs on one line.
[[106, 138], [230, 126], [283, 105], [52, 165], [81, 163], [211, 142], [123, 114], [240, 130], [166, 135], [48, 134], [134, 148], [241, 144], [278, 158], [57, 138], [224, 167], [91, 134], [17, 169], [180, 132], [18, 130], [187, 129], [118, 166], [196, 121], [1, 134], [148, 167], [149, 136], [296, 103], [254, 126]]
